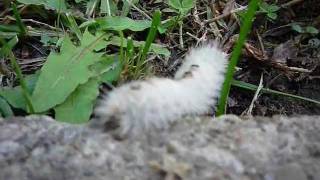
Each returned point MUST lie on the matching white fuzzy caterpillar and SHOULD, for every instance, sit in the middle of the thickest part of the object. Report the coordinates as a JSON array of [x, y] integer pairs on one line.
[[155, 103]]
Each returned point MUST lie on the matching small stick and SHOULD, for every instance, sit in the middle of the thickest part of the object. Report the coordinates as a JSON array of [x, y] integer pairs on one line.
[[291, 3], [139, 10], [180, 36], [255, 97], [225, 15]]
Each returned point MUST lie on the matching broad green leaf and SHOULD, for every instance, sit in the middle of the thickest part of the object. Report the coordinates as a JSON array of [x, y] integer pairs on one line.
[[113, 74], [14, 96], [273, 8], [119, 23], [58, 5], [183, 6], [63, 72], [156, 48], [188, 4], [108, 68], [175, 4], [79, 105], [272, 16], [264, 7], [5, 109], [297, 28], [312, 30]]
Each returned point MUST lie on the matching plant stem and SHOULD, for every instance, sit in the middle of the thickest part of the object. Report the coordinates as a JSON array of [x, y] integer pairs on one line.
[[18, 71], [253, 5]]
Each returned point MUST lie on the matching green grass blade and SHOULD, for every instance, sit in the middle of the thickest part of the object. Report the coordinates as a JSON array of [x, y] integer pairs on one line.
[[121, 47], [22, 27], [244, 30], [130, 50], [7, 50], [71, 22], [156, 21], [252, 87]]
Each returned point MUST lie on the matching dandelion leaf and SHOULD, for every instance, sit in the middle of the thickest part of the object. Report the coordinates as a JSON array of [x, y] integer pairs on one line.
[[63, 72], [79, 105], [14, 96]]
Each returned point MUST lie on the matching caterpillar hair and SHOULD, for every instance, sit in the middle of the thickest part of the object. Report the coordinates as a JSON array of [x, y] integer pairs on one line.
[[140, 106]]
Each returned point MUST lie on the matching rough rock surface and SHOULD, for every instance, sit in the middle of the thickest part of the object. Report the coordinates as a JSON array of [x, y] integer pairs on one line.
[[38, 148]]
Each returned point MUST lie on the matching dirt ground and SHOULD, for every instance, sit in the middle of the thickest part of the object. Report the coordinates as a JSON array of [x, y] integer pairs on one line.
[[288, 60]]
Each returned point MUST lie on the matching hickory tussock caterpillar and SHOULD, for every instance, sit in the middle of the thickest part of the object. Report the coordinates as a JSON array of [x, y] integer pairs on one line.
[[155, 103]]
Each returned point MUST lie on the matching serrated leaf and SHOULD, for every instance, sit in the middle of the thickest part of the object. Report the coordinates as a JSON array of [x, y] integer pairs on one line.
[[14, 96], [63, 72], [119, 23], [58, 5], [5, 109], [79, 105]]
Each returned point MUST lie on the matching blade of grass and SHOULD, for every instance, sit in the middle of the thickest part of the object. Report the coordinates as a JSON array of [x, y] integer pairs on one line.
[[7, 50], [22, 27], [105, 7], [73, 25], [57, 23], [253, 87], [156, 21], [244, 30], [130, 50], [121, 48], [91, 6]]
